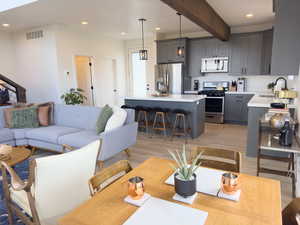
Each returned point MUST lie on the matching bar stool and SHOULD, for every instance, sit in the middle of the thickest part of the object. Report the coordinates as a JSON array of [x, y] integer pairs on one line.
[[180, 119], [160, 120], [143, 117]]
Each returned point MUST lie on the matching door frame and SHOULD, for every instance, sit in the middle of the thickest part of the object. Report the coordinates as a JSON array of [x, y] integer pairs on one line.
[[92, 74]]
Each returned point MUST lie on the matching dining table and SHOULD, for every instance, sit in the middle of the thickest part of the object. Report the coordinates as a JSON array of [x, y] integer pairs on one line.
[[259, 203]]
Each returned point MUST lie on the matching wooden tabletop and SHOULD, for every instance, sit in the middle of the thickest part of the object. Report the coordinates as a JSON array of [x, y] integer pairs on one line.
[[260, 201], [18, 154]]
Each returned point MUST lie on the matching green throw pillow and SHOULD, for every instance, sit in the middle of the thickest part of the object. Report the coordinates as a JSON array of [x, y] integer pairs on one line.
[[25, 118], [104, 116]]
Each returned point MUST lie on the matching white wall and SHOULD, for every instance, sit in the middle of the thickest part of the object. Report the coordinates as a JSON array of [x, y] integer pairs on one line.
[[36, 66], [135, 45], [73, 43], [7, 56]]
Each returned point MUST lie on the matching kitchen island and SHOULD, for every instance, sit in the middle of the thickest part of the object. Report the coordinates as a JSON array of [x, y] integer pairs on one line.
[[194, 104], [257, 107]]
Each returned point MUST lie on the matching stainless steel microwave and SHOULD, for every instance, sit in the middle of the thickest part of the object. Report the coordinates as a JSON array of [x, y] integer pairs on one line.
[[215, 65]]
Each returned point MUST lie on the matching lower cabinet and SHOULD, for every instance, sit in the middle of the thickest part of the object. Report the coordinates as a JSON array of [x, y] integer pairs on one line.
[[236, 108]]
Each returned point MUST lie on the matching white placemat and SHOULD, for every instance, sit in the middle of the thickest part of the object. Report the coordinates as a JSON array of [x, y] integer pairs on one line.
[[160, 212], [208, 182]]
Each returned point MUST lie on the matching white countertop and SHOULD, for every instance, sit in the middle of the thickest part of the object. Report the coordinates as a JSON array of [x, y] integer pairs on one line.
[[239, 93], [170, 98], [265, 102]]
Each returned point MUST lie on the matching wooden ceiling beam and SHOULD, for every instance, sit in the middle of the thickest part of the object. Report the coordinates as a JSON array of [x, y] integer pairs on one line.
[[201, 13]]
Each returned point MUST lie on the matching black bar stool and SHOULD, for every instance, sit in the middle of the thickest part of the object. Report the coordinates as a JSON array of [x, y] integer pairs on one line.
[[180, 126], [143, 117], [160, 122]]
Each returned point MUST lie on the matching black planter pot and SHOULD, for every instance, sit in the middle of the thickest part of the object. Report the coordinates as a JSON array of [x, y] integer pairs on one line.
[[185, 188]]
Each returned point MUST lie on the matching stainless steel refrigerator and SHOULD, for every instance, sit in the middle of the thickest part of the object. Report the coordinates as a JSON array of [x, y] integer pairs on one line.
[[168, 78]]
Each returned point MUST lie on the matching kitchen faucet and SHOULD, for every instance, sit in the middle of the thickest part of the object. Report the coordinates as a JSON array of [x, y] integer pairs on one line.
[[285, 82]]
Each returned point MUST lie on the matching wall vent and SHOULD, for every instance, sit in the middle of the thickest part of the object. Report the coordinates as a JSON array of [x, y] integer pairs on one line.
[[34, 35]]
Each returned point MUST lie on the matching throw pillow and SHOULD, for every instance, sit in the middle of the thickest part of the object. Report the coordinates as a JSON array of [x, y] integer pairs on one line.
[[104, 116], [50, 111], [8, 112], [25, 118], [117, 119], [43, 115]]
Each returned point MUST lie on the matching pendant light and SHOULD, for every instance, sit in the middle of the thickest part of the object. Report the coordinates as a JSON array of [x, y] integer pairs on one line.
[[180, 48], [143, 52]]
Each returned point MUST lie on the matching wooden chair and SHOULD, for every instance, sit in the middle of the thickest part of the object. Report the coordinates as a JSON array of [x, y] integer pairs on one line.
[[218, 158], [108, 175], [291, 214], [56, 185]]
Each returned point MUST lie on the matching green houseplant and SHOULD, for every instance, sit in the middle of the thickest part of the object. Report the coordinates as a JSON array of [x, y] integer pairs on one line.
[[74, 96], [185, 177]]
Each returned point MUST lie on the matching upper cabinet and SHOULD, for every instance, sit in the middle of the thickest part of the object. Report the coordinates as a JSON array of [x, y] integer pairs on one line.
[[246, 54], [286, 47], [167, 51], [267, 52], [249, 53]]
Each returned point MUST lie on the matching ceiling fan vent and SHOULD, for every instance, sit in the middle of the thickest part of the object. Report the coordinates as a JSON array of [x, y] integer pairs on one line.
[[34, 35]]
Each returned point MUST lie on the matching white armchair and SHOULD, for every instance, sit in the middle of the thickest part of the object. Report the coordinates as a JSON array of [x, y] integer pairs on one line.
[[56, 185]]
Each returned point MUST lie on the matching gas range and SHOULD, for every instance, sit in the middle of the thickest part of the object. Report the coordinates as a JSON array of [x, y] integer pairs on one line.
[[212, 93]]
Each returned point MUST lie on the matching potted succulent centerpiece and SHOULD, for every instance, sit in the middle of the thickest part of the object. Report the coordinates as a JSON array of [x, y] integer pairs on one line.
[[185, 177]]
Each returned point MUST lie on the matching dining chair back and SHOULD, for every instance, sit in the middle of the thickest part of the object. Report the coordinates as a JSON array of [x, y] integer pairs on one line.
[[217, 158], [56, 185], [291, 213], [108, 175]]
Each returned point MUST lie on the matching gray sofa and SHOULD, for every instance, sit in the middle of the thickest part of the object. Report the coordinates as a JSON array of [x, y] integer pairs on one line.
[[74, 126]]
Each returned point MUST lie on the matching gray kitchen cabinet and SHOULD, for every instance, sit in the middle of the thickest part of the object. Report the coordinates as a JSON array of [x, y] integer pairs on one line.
[[238, 59], [286, 47], [197, 51], [267, 52], [236, 108], [167, 51], [246, 54]]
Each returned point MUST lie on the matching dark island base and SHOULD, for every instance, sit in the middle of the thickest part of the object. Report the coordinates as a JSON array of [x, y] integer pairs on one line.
[[196, 118]]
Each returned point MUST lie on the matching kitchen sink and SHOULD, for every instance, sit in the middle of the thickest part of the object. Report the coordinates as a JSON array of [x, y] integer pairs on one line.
[[267, 96]]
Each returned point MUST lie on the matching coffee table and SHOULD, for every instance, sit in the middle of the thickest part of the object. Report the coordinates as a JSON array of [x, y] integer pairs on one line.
[[18, 155]]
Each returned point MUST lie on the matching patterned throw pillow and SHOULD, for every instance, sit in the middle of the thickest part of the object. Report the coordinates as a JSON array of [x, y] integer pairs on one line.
[[104, 116], [25, 118]]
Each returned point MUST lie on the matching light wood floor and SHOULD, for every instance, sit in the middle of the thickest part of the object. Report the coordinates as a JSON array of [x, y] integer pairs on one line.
[[232, 137]]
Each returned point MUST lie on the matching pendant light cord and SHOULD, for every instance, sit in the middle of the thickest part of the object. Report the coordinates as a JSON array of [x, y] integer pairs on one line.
[[143, 41]]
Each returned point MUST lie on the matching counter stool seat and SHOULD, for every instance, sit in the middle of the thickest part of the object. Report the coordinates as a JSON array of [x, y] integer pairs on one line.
[[180, 119], [143, 117], [160, 122]]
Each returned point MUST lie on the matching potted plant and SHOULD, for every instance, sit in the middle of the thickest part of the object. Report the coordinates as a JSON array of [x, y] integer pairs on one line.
[[185, 177], [74, 96]]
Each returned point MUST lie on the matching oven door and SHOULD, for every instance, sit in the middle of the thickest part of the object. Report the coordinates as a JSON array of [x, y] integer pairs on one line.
[[214, 105]]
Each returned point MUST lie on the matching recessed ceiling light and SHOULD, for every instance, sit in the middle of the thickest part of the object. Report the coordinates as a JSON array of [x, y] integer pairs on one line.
[[157, 28], [249, 15], [5, 25], [84, 22], [123, 33]]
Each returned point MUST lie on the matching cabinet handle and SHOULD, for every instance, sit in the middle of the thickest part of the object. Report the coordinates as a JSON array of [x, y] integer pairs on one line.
[[269, 69], [245, 70], [242, 70]]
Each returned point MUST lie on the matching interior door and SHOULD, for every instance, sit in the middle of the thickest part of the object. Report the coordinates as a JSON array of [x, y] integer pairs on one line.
[[105, 86], [84, 76], [138, 75]]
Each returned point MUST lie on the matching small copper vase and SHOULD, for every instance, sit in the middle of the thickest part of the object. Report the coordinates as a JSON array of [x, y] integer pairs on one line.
[[136, 188], [230, 183]]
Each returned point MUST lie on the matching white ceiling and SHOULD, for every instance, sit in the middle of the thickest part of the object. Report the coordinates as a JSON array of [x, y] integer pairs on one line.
[[111, 17]]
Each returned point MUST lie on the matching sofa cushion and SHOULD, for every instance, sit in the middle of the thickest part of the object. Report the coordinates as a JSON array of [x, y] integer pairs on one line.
[[79, 139], [50, 134], [83, 117], [6, 135], [20, 133]]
